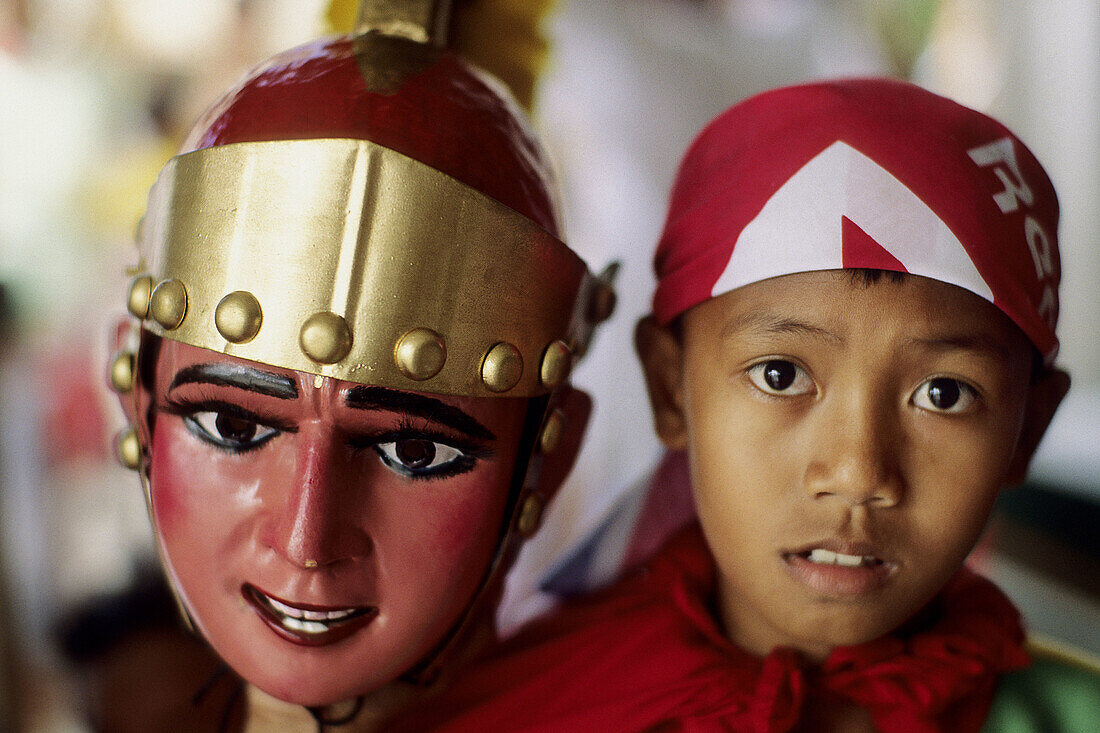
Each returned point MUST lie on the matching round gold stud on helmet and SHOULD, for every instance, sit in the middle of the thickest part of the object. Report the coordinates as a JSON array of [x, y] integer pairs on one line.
[[128, 449], [238, 317], [530, 515], [122, 371], [168, 304], [420, 354], [325, 338], [502, 368], [556, 361], [141, 289], [552, 430]]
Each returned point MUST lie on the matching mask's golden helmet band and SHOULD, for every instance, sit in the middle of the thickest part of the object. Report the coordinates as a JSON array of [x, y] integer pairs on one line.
[[347, 259]]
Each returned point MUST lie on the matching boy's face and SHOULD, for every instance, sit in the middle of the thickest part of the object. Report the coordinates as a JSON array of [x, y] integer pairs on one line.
[[846, 444], [324, 536]]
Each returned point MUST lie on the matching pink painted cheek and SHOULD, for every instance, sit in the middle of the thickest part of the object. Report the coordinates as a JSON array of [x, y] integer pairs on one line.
[[467, 520], [436, 535], [168, 485]]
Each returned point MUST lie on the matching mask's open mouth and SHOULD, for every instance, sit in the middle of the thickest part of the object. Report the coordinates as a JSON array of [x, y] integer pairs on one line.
[[308, 624]]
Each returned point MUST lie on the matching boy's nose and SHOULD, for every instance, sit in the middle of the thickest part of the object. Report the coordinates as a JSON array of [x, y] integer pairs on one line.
[[856, 458], [314, 522]]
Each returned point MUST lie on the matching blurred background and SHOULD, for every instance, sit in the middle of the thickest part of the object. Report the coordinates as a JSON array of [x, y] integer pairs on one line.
[[96, 94]]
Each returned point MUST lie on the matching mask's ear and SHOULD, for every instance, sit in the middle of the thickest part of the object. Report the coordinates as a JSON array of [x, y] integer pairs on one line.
[[576, 408], [662, 364], [1044, 396]]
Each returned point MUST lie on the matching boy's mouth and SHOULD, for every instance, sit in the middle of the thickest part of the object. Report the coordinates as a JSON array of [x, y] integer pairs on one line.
[[307, 624], [821, 556], [835, 570]]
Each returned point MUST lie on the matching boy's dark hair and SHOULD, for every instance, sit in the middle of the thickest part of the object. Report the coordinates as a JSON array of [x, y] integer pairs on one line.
[[867, 276]]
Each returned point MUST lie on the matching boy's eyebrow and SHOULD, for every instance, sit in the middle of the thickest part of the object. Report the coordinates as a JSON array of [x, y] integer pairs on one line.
[[774, 324], [981, 342], [239, 376], [364, 397]]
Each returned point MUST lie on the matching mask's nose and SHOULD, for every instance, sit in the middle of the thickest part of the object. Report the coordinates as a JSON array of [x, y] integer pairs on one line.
[[314, 521]]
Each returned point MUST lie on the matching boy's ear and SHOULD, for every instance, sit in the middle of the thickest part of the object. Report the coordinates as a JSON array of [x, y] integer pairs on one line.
[[662, 364], [1044, 396]]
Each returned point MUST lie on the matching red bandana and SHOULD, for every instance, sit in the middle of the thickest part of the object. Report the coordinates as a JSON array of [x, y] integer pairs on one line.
[[648, 654], [863, 173]]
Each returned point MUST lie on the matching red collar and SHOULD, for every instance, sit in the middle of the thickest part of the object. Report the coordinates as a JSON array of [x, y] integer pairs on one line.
[[647, 654], [938, 674]]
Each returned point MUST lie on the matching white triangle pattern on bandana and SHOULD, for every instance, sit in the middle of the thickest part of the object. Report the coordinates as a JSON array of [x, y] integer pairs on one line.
[[800, 230]]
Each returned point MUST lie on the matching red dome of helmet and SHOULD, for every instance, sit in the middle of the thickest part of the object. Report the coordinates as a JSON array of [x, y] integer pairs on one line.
[[444, 113]]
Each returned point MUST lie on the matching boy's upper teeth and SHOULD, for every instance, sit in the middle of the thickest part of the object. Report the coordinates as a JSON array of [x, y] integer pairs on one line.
[[828, 557]]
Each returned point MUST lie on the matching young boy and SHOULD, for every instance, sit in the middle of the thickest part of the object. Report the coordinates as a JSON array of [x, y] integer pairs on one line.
[[853, 342]]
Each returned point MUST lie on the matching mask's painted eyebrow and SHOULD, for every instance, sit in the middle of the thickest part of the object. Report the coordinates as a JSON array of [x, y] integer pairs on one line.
[[380, 398], [239, 376]]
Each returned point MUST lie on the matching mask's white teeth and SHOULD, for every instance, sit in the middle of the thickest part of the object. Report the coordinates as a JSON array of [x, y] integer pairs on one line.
[[283, 608], [823, 557], [306, 627], [307, 621]]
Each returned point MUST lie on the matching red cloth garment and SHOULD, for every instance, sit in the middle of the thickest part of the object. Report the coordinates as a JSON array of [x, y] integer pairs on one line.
[[648, 654]]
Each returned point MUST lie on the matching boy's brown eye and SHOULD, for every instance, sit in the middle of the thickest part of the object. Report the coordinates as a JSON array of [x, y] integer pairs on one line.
[[943, 393], [779, 374], [780, 377]]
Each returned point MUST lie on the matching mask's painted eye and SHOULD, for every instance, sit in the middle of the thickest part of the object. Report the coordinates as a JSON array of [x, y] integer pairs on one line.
[[225, 430], [423, 458], [780, 377], [944, 394]]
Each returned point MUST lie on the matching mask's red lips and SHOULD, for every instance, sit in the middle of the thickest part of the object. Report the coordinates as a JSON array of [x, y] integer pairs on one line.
[[307, 624]]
